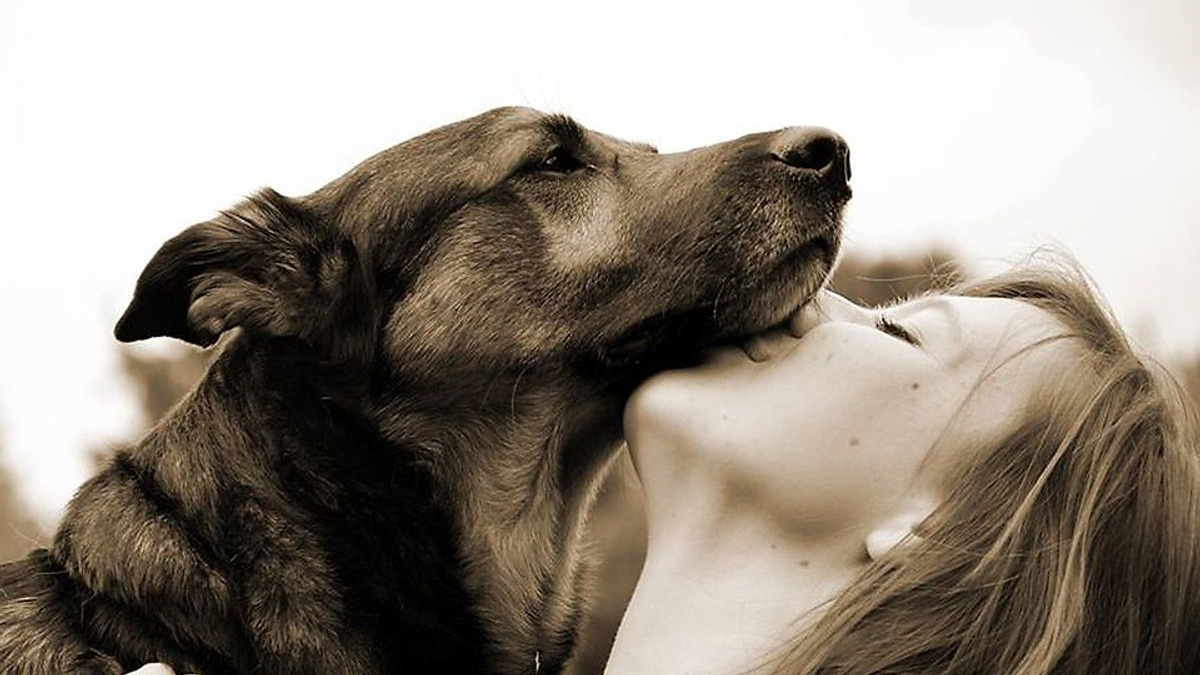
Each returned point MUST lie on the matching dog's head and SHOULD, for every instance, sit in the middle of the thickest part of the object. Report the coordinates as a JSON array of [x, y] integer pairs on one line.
[[510, 240]]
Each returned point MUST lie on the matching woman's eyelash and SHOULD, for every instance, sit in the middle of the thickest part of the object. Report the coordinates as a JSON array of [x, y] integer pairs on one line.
[[896, 330]]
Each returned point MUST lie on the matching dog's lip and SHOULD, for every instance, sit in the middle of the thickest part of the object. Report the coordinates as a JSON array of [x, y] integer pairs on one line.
[[806, 268], [817, 250], [760, 346]]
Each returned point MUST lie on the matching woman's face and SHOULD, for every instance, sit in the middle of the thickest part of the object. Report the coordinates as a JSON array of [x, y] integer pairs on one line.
[[830, 423]]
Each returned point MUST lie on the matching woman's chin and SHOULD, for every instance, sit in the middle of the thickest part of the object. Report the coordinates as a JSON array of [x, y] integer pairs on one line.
[[659, 406]]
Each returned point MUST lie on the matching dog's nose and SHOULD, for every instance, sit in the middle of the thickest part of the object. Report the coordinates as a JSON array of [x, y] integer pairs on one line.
[[814, 149]]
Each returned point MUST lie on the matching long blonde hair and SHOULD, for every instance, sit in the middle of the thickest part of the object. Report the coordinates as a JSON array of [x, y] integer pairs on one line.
[[1071, 547]]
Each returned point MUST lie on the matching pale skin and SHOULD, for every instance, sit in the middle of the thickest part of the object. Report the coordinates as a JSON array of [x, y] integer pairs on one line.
[[153, 669], [772, 468]]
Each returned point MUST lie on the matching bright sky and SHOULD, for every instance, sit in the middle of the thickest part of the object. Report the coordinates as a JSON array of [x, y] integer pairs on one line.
[[990, 130]]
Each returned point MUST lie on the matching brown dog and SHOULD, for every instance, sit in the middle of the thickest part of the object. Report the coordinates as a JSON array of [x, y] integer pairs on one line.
[[386, 468]]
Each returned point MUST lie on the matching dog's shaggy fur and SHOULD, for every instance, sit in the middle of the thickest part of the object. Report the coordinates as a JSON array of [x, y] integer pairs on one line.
[[386, 467]]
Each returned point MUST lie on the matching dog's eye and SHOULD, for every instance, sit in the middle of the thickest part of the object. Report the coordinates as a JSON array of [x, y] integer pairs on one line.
[[558, 160]]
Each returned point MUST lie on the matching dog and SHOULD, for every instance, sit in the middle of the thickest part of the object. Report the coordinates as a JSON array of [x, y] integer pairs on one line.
[[419, 380]]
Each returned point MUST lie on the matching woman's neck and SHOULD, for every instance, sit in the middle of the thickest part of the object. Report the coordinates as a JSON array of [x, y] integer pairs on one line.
[[724, 588]]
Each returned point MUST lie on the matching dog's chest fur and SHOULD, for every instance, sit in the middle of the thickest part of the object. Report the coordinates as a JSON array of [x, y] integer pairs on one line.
[[516, 467], [522, 548]]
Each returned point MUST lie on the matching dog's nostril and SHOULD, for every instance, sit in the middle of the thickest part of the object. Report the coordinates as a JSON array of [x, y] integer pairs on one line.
[[816, 154], [812, 149]]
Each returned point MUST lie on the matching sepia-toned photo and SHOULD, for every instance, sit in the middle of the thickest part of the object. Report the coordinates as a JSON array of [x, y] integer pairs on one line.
[[531, 338]]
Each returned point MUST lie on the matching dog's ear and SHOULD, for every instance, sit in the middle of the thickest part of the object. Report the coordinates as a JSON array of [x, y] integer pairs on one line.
[[267, 266]]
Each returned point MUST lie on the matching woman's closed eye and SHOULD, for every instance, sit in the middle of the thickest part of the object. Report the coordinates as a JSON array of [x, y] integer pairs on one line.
[[896, 330]]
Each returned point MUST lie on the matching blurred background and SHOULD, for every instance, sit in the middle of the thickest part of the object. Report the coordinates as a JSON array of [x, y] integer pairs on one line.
[[978, 134]]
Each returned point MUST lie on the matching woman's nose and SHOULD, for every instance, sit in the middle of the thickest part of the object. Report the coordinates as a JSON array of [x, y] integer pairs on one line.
[[826, 307]]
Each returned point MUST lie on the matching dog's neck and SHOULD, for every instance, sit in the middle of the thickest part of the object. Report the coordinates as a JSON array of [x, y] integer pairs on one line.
[[345, 515], [519, 476], [513, 475]]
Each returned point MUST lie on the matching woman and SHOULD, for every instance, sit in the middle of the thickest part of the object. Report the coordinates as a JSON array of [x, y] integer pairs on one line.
[[986, 482]]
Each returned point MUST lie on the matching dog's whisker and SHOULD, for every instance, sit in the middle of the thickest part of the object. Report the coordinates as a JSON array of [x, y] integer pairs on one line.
[[512, 400]]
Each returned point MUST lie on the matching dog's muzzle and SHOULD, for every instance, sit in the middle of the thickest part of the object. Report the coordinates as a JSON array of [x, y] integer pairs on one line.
[[815, 150]]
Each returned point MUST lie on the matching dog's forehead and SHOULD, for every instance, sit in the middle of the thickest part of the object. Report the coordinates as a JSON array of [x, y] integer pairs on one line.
[[501, 123], [437, 171], [479, 147], [494, 140], [492, 135], [622, 145], [518, 119], [514, 114], [438, 166]]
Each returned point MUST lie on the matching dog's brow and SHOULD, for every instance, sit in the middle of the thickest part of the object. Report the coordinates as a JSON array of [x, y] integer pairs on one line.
[[568, 132]]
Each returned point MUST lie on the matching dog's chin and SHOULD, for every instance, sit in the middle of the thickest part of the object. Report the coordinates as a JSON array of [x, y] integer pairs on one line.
[[680, 339], [786, 288]]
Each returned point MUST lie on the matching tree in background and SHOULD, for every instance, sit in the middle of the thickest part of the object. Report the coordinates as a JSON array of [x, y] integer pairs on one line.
[[18, 532], [159, 381], [876, 281], [1189, 376], [162, 380]]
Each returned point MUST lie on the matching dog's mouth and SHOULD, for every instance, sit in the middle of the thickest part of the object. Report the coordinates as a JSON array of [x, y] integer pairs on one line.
[[766, 345], [789, 286], [659, 342], [679, 339]]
